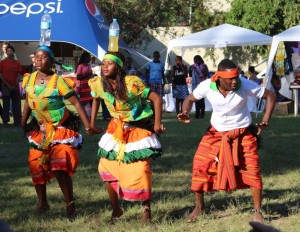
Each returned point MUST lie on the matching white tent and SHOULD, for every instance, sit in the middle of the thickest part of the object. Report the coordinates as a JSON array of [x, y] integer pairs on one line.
[[224, 35], [290, 35]]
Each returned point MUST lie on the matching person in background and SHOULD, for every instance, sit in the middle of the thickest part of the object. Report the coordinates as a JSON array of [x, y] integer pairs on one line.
[[252, 75], [179, 86], [276, 84], [10, 75], [155, 74], [130, 142], [128, 68], [4, 45], [31, 67], [53, 131], [227, 156], [199, 72], [84, 73]]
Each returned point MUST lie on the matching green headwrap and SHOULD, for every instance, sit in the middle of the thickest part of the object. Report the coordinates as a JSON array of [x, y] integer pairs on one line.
[[114, 58]]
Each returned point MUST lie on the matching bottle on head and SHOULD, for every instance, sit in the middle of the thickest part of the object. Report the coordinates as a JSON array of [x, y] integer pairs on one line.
[[114, 32], [46, 25]]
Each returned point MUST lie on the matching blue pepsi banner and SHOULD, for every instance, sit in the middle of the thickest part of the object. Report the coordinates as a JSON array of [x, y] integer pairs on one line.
[[74, 21]]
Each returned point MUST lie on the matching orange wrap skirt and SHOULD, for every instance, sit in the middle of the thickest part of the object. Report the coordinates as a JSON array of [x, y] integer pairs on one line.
[[207, 160], [125, 152], [60, 154]]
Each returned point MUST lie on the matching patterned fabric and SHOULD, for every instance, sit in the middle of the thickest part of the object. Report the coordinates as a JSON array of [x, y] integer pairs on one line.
[[157, 88], [180, 91], [61, 157], [136, 107], [226, 161], [47, 104], [132, 182], [279, 59], [127, 143]]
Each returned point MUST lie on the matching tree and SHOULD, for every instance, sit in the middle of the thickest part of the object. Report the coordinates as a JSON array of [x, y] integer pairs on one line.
[[269, 16], [136, 15]]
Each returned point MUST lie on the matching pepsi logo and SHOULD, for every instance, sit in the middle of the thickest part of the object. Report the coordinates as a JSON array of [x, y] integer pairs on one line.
[[93, 9]]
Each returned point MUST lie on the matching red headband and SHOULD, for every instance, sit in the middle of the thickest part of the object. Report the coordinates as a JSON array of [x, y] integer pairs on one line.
[[229, 73]]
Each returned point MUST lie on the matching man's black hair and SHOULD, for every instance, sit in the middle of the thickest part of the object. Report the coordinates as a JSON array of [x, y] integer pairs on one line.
[[226, 64]]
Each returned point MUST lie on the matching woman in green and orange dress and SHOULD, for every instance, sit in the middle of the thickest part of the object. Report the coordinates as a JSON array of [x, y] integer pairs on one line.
[[130, 141], [52, 133]]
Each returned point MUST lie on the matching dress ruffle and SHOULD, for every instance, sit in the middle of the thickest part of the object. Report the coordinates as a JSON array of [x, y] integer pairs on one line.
[[134, 143]]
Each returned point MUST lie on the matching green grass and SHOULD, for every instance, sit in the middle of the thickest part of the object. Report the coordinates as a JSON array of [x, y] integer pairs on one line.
[[172, 199]]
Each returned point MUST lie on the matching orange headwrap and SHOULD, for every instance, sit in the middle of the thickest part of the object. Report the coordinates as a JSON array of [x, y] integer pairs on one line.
[[229, 73]]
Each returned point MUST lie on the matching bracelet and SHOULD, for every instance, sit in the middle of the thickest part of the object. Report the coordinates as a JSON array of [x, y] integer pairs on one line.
[[87, 129]]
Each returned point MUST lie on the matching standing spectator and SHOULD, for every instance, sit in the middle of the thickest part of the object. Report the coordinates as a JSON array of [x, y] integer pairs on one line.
[[252, 75], [155, 74], [4, 45], [179, 86], [128, 68], [31, 67], [84, 73], [199, 72], [10, 70]]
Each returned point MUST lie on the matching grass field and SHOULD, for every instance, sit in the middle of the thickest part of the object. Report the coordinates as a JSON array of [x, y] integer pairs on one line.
[[172, 199]]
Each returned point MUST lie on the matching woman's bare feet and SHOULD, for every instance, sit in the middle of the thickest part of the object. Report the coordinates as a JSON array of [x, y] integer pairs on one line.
[[71, 210], [146, 215], [116, 214], [42, 208], [193, 215]]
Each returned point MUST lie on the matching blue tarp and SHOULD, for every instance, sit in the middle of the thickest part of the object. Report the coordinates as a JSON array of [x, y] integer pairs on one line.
[[73, 21]]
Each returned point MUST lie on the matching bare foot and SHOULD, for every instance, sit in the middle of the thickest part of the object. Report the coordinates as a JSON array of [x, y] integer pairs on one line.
[[146, 215], [193, 215], [71, 211], [42, 208], [258, 217], [116, 214]]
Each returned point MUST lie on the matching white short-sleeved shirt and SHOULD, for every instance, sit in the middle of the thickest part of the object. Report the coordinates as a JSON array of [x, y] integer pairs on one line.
[[229, 112]]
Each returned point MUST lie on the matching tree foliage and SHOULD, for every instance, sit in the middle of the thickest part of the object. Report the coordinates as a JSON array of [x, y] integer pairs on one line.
[[268, 16], [136, 15]]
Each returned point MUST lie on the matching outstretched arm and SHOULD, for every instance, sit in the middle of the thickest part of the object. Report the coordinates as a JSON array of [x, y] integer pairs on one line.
[[186, 109], [157, 101], [82, 114], [270, 103]]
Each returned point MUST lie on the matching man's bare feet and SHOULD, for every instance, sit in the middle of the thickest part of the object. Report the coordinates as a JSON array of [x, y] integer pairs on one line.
[[193, 215], [258, 217], [146, 215]]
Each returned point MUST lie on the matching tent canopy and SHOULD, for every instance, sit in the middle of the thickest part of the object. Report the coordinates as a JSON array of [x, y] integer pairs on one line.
[[289, 35], [224, 35], [77, 22]]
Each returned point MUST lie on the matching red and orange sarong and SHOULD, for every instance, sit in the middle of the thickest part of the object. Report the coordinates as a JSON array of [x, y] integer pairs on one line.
[[226, 161], [59, 154]]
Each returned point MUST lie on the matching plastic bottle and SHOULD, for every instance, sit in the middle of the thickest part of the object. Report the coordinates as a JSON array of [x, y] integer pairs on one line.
[[46, 25], [114, 32]]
